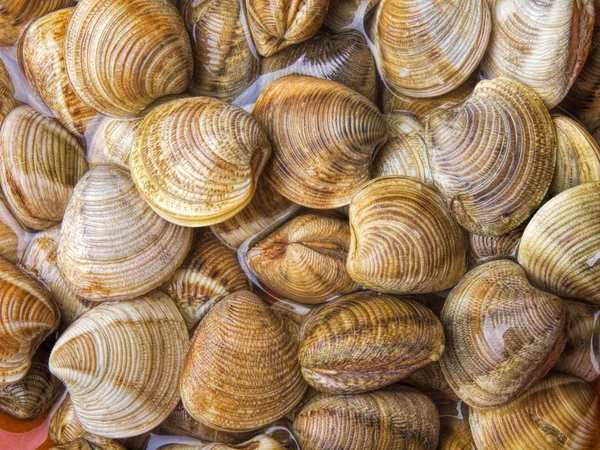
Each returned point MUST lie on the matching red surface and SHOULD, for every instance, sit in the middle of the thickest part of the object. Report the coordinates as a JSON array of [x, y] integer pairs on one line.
[[24, 435]]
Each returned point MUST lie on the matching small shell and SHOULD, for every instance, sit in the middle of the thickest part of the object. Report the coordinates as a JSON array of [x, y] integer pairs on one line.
[[483, 249], [7, 92], [559, 412], [346, 14], [241, 372], [492, 156], [90, 442], [40, 163], [455, 431], [12, 233], [215, 153], [111, 141], [431, 381], [64, 426], [403, 240], [125, 358], [324, 136], [112, 245], [260, 442], [502, 334], [364, 341]]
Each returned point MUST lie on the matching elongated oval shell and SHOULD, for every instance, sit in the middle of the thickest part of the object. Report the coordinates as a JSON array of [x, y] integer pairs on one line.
[[126, 359], [151, 32], [40, 163], [483, 249], [558, 412], [112, 245], [403, 240], [502, 334], [216, 153], [260, 442], [492, 156], [347, 14], [241, 372], [430, 380], [111, 141], [7, 93], [323, 135]]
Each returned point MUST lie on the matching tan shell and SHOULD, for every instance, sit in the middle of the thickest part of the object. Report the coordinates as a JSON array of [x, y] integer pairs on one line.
[[427, 49], [386, 419], [12, 233], [64, 426], [345, 14], [260, 442], [455, 431], [559, 412], [305, 259], [196, 161], [40, 163], [483, 249], [431, 381], [126, 359], [324, 136], [111, 141], [542, 44], [241, 372], [560, 247], [502, 334], [403, 240], [364, 341], [7, 92], [112, 245], [492, 156], [90, 442], [153, 36]]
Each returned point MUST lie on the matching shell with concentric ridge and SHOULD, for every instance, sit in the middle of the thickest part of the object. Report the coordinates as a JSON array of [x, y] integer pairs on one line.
[[343, 15], [7, 93], [12, 233], [64, 426], [260, 442], [90, 442], [111, 141], [455, 431], [430, 380], [483, 249]]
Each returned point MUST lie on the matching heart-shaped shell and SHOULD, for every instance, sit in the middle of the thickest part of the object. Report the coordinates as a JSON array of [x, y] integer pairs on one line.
[[559, 412], [215, 153], [483, 249], [149, 34], [492, 156], [241, 372], [125, 358], [427, 49], [431, 381], [40, 163], [305, 259], [347, 14], [455, 431], [542, 44], [387, 419], [364, 341], [111, 141], [324, 135], [560, 247], [502, 334], [260, 442], [112, 245], [7, 93], [403, 240]]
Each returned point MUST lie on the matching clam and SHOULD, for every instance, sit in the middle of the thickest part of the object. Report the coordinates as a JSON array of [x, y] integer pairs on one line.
[[431, 381], [151, 34], [112, 245], [90, 442], [346, 14], [260, 442], [324, 135], [541, 44], [64, 426], [7, 92], [492, 156], [427, 49], [386, 419], [483, 249], [111, 141], [215, 153], [125, 358], [403, 240], [40, 163], [241, 372], [12, 233], [558, 412], [455, 432], [502, 334], [305, 259], [364, 341]]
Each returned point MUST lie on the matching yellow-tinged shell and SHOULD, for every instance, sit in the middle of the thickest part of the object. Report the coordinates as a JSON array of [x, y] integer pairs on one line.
[[126, 359], [502, 334], [542, 44], [387, 419], [196, 161], [64, 426], [90, 442], [455, 431], [346, 14], [260, 442], [483, 249], [324, 136], [560, 247], [559, 412], [12, 233], [427, 49], [305, 259], [241, 372], [149, 34], [431, 381], [40, 163], [364, 341], [492, 156], [112, 245], [403, 240], [7, 93], [111, 141]]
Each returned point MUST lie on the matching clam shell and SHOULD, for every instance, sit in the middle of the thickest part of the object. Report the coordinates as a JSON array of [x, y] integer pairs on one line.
[[502, 334], [455, 431], [126, 359], [483, 249], [40, 163], [90, 442], [431, 381], [492, 156], [151, 34], [12, 233], [241, 372], [403, 240], [260, 442], [64, 426], [112, 245], [216, 153], [7, 93], [346, 14], [323, 134], [111, 141]]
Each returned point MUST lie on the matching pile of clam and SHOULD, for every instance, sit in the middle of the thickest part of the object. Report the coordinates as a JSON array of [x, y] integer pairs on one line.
[[212, 237]]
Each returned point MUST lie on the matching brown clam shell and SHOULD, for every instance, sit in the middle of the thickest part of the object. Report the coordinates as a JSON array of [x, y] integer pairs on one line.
[[90, 442], [7, 93], [431, 381], [347, 14], [455, 431], [260, 442], [483, 249], [64, 426], [12, 233], [111, 141]]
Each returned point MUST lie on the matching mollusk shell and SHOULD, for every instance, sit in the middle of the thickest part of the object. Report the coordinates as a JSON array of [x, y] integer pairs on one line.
[[12, 233], [260, 442], [430, 380], [64, 426], [111, 141], [7, 93], [483, 249], [90, 442], [347, 14], [455, 431]]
